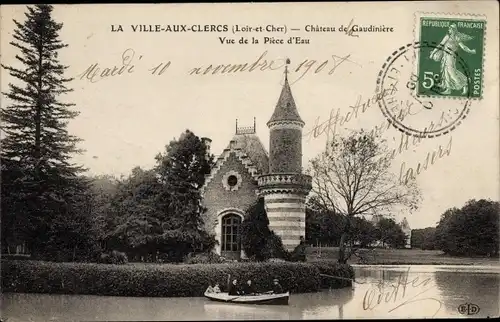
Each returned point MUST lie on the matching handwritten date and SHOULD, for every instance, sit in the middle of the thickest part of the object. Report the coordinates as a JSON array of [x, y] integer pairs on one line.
[[96, 72]]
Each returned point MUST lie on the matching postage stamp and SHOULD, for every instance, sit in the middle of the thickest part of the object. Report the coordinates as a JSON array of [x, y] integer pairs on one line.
[[428, 85], [438, 71], [417, 115]]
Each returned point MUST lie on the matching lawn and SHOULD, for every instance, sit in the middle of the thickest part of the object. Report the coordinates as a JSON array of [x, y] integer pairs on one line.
[[400, 257]]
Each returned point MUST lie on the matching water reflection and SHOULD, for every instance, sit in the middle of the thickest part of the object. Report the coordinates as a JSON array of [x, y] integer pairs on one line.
[[380, 292], [427, 291], [461, 287], [301, 306], [399, 293]]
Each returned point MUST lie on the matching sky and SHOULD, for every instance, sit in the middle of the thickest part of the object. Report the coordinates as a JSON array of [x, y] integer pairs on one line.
[[128, 117]]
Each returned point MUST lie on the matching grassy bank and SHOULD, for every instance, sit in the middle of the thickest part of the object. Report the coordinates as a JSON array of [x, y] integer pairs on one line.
[[163, 280], [400, 257]]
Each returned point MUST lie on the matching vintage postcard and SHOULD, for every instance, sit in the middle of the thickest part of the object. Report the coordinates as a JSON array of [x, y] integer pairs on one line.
[[244, 161]]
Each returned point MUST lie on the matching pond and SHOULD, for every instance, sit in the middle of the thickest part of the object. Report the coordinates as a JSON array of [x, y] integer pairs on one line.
[[418, 291]]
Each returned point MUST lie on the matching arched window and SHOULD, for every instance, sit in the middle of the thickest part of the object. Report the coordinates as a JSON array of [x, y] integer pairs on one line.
[[230, 237]]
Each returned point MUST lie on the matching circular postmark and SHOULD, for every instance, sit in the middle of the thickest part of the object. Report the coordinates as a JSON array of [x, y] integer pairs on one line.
[[422, 116]]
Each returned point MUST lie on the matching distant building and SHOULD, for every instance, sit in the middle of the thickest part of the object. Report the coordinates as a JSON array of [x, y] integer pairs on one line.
[[376, 218], [405, 226], [244, 171]]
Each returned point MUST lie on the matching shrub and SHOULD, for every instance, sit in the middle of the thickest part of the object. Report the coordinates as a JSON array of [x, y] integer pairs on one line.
[[333, 274], [204, 258], [155, 280], [258, 241], [299, 253], [115, 257], [274, 248]]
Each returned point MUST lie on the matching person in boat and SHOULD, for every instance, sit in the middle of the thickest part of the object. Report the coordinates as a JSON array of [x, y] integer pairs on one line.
[[277, 288], [234, 288], [210, 289], [216, 288], [249, 289]]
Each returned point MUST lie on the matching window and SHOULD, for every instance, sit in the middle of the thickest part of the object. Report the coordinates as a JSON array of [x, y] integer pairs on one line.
[[231, 233], [232, 180]]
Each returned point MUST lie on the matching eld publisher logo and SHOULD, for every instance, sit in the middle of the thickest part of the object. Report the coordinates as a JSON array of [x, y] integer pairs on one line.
[[468, 309]]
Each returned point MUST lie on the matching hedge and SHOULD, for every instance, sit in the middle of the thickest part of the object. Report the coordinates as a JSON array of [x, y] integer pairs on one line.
[[334, 275], [159, 280]]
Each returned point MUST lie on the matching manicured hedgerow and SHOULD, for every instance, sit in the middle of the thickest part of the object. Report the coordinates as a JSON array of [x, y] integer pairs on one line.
[[334, 275], [156, 280]]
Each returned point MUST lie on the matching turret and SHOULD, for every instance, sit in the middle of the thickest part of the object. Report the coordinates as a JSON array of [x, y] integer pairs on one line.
[[285, 125], [207, 143], [285, 188]]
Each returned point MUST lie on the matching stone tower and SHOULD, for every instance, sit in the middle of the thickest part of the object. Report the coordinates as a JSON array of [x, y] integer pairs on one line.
[[285, 187]]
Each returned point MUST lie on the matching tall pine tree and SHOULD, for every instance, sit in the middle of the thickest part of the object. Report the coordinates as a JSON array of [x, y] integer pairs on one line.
[[40, 184]]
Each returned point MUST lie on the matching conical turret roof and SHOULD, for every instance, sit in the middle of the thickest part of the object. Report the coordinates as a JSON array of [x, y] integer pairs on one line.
[[285, 110]]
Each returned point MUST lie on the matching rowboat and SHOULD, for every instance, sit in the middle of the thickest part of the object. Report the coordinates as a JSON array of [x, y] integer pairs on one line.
[[268, 299]]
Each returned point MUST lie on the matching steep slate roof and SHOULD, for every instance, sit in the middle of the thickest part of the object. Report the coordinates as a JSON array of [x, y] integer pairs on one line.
[[251, 145], [285, 110]]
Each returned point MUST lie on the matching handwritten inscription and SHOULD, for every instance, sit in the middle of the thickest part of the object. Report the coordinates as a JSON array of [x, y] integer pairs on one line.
[[349, 30], [408, 174], [396, 294], [329, 126], [127, 65], [95, 72], [329, 129], [305, 67]]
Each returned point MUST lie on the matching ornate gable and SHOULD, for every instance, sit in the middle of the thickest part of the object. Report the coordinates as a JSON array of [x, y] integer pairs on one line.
[[249, 151]]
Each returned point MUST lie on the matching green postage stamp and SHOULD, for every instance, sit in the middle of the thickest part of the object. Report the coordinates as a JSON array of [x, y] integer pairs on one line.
[[450, 56]]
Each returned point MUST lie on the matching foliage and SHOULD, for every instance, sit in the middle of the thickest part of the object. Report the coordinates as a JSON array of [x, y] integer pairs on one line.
[[73, 235], [353, 177], [258, 241], [363, 231], [42, 192], [390, 233], [115, 257], [204, 258], [157, 212], [155, 280], [102, 188], [299, 252], [181, 171], [471, 230], [323, 227], [133, 222], [338, 275], [424, 238], [327, 226]]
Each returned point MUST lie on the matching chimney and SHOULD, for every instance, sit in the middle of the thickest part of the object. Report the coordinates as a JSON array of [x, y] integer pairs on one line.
[[207, 143], [232, 144]]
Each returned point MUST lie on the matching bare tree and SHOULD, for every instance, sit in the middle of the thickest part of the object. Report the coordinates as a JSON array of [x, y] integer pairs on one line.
[[353, 177]]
